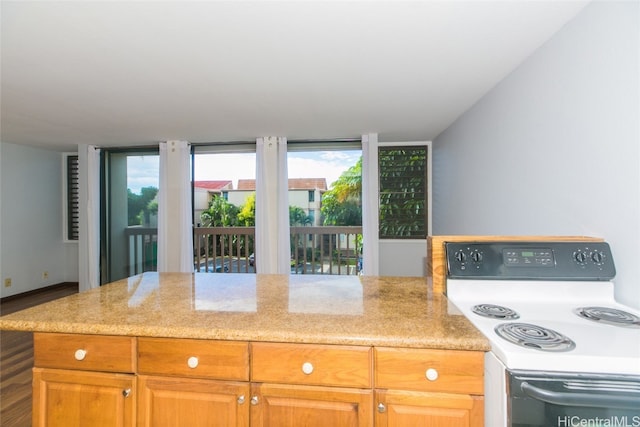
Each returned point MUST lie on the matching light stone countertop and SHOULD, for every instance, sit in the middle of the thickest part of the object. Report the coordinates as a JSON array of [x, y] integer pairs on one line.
[[351, 310]]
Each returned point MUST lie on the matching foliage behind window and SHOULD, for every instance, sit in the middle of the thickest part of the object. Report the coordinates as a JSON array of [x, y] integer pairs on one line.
[[403, 192]]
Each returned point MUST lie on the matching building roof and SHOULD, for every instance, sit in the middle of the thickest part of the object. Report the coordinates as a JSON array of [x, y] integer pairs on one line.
[[214, 185], [294, 184]]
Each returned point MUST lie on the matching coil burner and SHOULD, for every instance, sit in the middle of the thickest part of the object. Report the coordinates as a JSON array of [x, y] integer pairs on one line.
[[608, 315], [493, 311], [534, 336]]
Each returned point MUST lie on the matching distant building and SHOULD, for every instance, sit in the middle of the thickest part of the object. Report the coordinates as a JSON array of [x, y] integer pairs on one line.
[[203, 192], [305, 193]]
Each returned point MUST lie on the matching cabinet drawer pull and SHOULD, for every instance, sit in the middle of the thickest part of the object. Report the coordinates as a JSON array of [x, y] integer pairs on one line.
[[307, 368], [431, 374], [254, 400], [192, 362], [80, 354], [381, 408], [126, 392], [241, 399]]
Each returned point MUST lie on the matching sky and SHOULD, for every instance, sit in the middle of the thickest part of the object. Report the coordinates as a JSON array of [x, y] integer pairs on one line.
[[142, 171]]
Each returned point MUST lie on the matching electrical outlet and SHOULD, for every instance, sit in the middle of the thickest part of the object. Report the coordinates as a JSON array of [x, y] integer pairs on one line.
[[7, 282], [45, 275]]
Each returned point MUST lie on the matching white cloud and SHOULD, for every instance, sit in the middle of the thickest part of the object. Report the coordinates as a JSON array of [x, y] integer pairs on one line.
[[311, 168], [143, 170], [320, 164], [225, 166]]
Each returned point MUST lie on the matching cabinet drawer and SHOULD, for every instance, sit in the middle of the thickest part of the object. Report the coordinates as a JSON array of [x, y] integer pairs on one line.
[[84, 352], [429, 370], [311, 364], [227, 360]]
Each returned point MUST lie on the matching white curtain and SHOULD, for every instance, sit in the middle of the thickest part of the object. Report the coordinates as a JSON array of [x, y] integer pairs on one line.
[[175, 233], [89, 225], [272, 206], [370, 258]]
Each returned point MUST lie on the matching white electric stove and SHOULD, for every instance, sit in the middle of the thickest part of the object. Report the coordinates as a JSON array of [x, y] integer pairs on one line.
[[562, 349]]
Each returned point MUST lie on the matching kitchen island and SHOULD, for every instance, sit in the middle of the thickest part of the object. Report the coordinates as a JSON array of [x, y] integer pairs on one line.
[[245, 349]]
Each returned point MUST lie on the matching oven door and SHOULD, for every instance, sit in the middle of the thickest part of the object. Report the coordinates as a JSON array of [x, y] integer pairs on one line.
[[567, 400]]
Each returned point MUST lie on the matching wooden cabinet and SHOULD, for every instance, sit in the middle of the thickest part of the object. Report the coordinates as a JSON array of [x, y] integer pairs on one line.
[[75, 398], [193, 383], [311, 385], [311, 406], [409, 408], [429, 387], [192, 402], [82, 380], [90, 380]]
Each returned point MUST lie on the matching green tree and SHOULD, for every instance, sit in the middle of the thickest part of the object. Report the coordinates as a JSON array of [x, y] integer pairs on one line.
[[247, 214], [342, 204], [221, 213], [298, 217], [139, 206], [403, 192]]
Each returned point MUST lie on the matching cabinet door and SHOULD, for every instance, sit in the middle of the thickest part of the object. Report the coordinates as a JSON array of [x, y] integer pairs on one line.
[[310, 406], [76, 398], [412, 408], [191, 402]]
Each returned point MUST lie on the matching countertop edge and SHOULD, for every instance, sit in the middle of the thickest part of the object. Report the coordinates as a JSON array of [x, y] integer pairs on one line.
[[469, 344]]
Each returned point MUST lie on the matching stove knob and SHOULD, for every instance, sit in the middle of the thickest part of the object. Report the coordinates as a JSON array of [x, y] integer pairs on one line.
[[460, 256], [597, 257], [476, 256], [580, 257]]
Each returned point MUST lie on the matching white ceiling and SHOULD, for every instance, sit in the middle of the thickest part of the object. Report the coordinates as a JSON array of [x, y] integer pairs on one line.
[[134, 73]]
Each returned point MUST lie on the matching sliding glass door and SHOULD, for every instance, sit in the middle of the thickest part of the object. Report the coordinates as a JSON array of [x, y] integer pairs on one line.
[[129, 213]]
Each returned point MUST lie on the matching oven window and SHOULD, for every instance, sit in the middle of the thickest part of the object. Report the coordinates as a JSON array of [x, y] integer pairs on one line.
[[573, 400]]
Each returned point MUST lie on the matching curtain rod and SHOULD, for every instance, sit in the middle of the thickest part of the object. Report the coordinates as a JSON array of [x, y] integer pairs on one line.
[[324, 140], [195, 144]]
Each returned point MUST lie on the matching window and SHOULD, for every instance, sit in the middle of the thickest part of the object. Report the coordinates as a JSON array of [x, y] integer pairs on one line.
[[331, 238], [71, 192], [332, 170], [130, 206], [224, 183], [403, 191]]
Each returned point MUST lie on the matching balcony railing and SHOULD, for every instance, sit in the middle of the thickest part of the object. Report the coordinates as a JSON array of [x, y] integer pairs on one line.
[[223, 249], [142, 249], [326, 250], [314, 250]]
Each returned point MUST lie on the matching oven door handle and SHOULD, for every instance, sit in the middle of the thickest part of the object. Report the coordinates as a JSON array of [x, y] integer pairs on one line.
[[595, 400]]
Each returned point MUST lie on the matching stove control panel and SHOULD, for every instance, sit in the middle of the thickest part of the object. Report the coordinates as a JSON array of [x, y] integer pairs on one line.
[[530, 260]]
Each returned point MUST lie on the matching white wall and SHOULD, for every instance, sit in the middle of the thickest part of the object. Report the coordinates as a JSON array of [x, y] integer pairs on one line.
[[405, 258], [31, 220], [554, 148]]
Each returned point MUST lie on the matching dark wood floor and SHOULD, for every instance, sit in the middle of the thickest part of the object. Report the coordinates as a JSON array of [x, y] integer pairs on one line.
[[16, 357]]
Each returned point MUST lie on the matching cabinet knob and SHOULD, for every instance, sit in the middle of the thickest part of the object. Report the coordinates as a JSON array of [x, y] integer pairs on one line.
[[126, 393], [192, 362], [307, 368], [254, 400], [381, 408], [80, 354], [241, 399], [431, 374]]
